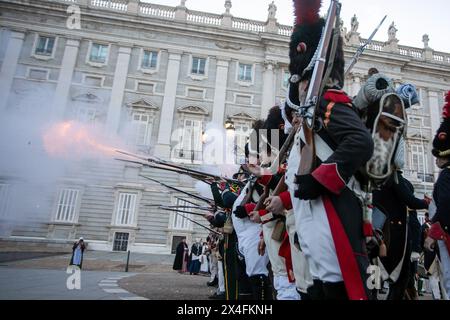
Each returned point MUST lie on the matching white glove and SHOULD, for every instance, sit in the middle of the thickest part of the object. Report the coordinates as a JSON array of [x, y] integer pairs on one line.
[[415, 256]]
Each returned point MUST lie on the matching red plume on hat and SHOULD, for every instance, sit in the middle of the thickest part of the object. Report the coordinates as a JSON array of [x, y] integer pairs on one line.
[[446, 109], [306, 11]]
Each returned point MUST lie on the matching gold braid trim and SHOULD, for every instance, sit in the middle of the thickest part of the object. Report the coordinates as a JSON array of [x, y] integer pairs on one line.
[[444, 153]]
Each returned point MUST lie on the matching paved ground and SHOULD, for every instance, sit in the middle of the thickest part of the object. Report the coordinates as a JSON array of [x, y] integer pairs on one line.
[[35, 284], [168, 285], [36, 275]]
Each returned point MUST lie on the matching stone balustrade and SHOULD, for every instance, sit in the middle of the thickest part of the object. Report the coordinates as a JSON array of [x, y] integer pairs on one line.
[[156, 10], [118, 5], [204, 18], [241, 24]]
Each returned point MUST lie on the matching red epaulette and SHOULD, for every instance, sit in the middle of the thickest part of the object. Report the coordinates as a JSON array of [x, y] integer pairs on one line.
[[337, 96]]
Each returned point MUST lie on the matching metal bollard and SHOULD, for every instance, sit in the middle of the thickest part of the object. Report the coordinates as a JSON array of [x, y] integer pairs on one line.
[[128, 261]]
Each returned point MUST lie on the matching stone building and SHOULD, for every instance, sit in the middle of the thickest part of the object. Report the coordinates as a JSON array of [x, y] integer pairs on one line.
[[145, 71]]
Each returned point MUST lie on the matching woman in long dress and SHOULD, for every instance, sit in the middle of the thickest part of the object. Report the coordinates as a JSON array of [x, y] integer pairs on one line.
[[204, 267], [77, 253], [179, 263]]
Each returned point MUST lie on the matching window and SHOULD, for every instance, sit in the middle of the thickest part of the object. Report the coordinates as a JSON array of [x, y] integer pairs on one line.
[[149, 59], [44, 46], [98, 53], [141, 129], [120, 241], [415, 121], [245, 72], [242, 132], [191, 141], [4, 199], [418, 159], [126, 208], [198, 66], [67, 202], [179, 222]]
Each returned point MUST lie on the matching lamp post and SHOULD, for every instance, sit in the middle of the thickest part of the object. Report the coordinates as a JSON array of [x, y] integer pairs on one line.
[[230, 138]]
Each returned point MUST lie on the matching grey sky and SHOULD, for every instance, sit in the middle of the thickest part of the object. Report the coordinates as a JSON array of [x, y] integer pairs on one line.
[[413, 18]]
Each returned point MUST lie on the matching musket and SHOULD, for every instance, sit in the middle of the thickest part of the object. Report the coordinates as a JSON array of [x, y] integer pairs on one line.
[[181, 207], [209, 201], [193, 203], [197, 173], [201, 178], [363, 47], [319, 77], [282, 155], [182, 211], [199, 224]]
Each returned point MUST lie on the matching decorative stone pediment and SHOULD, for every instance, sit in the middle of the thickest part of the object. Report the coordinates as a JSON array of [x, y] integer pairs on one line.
[[194, 110], [88, 97], [143, 104], [243, 116]]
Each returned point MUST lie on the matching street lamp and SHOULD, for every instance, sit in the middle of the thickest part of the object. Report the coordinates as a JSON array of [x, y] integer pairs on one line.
[[231, 138], [229, 125]]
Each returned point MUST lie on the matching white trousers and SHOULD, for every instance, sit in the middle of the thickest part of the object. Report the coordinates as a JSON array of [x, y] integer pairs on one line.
[[221, 276], [303, 278], [285, 289], [213, 265], [316, 240], [445, 267]]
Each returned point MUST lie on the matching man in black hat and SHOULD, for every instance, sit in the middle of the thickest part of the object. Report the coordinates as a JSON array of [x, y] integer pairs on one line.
[[440, 228], [328, 214]]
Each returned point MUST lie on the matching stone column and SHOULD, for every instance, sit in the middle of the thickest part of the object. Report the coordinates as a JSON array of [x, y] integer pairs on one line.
[[65, 77], [435, 117], [220, 91], [356, 85], [162, 149], [9, 65], [118, 89], [268, 97]]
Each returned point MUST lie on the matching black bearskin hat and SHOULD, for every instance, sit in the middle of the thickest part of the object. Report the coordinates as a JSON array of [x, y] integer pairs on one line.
[[275, 121], [441, 142], [305, 39]]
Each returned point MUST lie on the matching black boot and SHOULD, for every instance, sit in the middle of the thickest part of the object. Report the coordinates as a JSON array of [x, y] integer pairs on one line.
[[261, 287], [213, 283], [335, 291], [315, 292]]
